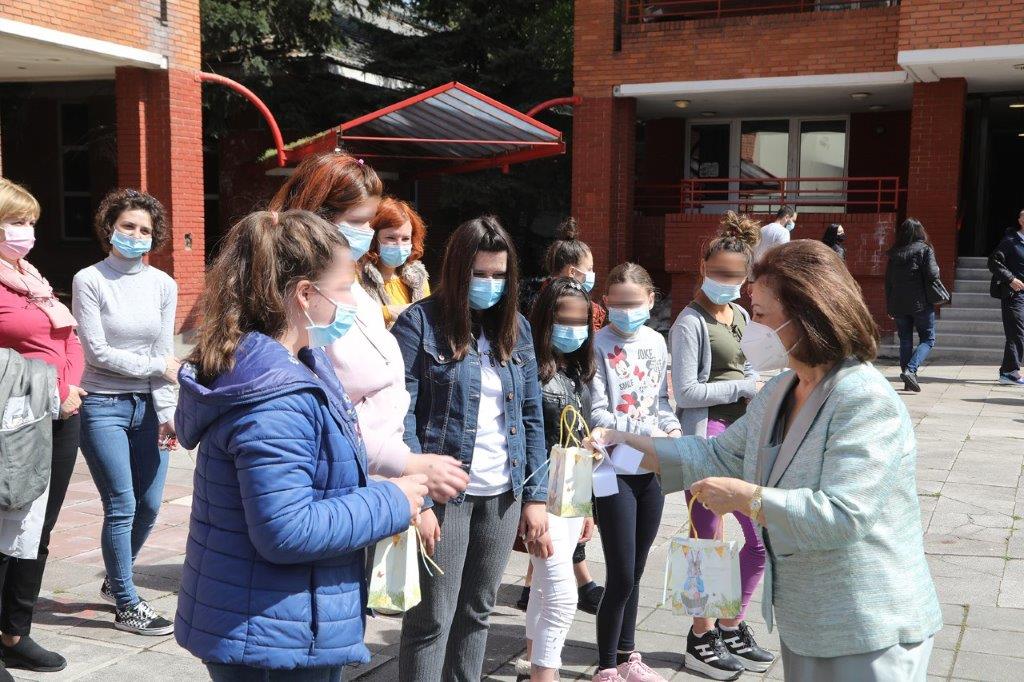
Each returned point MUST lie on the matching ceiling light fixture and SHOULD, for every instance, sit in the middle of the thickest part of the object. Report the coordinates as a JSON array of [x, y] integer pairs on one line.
[[860, 95], [876, 107], [682, 103], [709, 114]]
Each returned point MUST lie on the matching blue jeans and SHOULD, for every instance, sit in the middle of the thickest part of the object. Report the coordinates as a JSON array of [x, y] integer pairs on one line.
[[119, 441], [924, 322], [220, 672]]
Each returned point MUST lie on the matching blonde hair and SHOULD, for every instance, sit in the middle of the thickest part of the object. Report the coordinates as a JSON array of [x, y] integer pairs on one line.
[[16, 202]]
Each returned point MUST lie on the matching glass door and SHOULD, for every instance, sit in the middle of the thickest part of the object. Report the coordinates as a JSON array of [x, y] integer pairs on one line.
[[823, 156], [707, 189]]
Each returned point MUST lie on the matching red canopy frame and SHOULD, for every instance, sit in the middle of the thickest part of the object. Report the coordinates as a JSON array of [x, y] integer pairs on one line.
[[448, 129]]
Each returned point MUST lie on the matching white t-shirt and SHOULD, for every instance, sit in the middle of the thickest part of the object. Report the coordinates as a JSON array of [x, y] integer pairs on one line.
[[489, 474], [772, 235]]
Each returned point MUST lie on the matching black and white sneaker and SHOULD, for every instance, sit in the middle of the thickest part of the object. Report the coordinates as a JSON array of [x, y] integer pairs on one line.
[[106, 594], [142, 620], [709, 655], [742, 646]]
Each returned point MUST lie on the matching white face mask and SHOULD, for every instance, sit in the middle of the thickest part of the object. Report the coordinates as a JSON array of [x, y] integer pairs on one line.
[[763, 348]]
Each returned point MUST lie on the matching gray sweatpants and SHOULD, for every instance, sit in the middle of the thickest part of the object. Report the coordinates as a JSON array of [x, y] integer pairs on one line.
[[445, 636]]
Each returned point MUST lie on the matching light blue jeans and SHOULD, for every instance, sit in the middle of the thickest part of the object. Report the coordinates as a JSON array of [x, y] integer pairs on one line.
[[119, 441]]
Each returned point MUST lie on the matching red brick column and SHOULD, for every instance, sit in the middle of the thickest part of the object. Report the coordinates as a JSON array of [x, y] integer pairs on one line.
[[603, 162], [160, 151], [936, 154]]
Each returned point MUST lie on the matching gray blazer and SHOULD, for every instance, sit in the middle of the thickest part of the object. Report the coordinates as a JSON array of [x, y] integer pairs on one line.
[[846, 569], [691, 367]]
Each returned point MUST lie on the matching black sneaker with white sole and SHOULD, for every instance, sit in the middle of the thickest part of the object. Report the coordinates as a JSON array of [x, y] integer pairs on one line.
[[141, 619], [708, 655], [743, 646]]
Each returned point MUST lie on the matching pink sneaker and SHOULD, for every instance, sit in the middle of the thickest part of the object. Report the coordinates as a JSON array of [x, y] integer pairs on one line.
[[635, 670], [607, 675]]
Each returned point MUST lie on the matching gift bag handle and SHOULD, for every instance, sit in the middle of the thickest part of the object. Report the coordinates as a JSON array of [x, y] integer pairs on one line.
[[426, 559], [693, 529], [565, 425]]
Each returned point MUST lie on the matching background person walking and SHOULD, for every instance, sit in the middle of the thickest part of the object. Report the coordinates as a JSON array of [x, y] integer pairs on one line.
[[910, 270], [1007, 267]]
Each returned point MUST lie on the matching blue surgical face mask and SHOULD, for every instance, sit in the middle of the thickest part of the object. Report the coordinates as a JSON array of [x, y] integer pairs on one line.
[[569, 338], [359, 238], [719, 293], [484, 292], [589, 279], [321, 335], [628, 320], [130, 247], [394, 255], [790, 225]]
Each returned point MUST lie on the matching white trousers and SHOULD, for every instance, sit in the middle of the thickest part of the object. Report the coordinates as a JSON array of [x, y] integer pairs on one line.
[[553, 594]]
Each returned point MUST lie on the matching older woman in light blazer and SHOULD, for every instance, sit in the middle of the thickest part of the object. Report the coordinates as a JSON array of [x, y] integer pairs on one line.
[[824, 460]]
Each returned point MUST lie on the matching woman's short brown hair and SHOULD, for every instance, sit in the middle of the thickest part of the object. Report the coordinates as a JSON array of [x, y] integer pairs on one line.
[[120, 200], [822, 299]]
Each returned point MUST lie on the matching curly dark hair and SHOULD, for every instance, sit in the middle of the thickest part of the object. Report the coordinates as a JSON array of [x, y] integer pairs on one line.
[[120, 200]]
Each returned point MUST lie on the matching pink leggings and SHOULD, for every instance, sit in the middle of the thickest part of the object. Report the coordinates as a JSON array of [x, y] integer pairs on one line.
[[752, 556]]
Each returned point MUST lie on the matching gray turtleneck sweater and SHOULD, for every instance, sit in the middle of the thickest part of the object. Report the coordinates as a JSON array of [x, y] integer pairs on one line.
[[125, 313]]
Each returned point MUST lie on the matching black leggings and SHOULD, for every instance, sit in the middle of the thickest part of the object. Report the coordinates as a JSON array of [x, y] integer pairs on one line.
[[628, 522], [22, 578]]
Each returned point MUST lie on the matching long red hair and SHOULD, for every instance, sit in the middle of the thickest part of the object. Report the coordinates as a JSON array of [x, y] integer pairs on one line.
[[327, 184], [394, 213]]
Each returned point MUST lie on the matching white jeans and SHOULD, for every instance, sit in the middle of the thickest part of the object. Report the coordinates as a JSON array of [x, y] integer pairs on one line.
[[553, 594]]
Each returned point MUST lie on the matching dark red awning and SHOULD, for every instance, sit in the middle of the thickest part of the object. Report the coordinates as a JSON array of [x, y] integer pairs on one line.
[[449, 129]]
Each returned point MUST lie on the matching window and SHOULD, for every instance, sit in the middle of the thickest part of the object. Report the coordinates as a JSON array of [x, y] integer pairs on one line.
[[822, 156], [75, 177]]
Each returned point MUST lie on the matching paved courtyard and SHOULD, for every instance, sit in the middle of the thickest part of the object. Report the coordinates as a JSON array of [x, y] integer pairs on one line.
[[971, 450]]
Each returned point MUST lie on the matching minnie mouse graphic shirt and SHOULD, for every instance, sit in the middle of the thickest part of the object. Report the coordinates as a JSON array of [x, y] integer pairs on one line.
[[630, 389]]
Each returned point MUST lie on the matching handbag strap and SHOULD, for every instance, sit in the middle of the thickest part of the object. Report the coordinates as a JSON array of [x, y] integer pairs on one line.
[[693, 529]]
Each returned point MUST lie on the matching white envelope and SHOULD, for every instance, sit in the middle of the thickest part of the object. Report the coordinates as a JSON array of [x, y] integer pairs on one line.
[[626, 459]]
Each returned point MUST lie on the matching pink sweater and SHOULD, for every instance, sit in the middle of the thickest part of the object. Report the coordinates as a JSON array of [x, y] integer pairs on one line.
[[369, 364], [26, 329]]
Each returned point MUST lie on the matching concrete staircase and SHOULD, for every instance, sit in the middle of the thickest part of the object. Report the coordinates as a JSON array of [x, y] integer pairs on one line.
[[970, 329]]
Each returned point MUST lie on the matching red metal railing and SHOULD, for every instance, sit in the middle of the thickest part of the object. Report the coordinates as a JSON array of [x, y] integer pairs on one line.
[[644, 11], [764, 195]]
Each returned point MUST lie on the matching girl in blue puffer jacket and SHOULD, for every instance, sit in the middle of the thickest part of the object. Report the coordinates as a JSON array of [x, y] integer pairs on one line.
[[273, 584]]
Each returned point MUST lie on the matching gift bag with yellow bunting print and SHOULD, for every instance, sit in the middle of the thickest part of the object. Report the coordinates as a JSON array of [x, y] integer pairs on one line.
[[395, 580], [571, 476], [702, 577]]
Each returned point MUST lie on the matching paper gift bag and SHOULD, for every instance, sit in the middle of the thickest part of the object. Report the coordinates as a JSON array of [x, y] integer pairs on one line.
[[571, 473], [395, 580], [702, 576]]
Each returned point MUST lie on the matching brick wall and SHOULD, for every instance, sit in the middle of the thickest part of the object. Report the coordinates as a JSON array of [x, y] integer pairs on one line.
[[135, 23], [869, 235], [159, 150], [603, 177], [737, 47], [936, 151], [933, 24]]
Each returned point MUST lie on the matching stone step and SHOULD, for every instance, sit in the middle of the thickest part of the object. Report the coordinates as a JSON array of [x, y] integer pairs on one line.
[[986, 341], [972, 262], [973, 314], [974, 274], [974, 300], [948, 326], [970, 286], [970, 356]]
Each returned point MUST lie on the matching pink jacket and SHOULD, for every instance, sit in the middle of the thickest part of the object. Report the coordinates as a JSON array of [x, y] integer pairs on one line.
[[369, 364]]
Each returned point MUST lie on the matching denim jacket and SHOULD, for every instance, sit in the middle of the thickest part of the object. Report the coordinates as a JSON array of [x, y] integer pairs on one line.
[[445, 399]]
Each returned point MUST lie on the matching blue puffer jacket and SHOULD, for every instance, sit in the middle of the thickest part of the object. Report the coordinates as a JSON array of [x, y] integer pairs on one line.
[[281, 510]]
